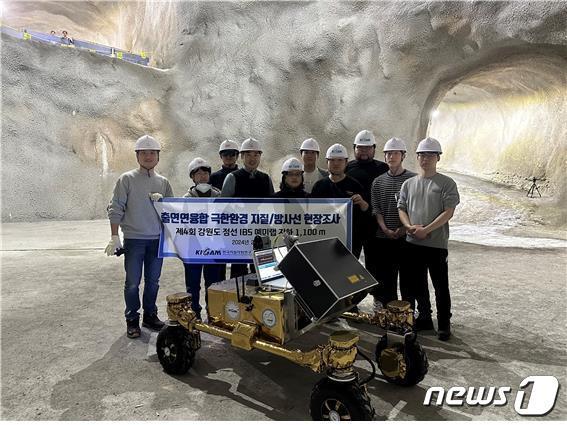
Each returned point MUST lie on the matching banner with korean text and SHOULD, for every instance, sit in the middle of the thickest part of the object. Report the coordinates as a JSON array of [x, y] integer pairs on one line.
[[221, 230]]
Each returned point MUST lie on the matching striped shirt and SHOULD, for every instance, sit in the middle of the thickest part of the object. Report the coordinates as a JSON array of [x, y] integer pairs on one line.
[[384, 194]]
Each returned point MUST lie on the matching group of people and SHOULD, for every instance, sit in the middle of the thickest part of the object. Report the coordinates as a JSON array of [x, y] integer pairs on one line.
[[400, 218], [65, 39]]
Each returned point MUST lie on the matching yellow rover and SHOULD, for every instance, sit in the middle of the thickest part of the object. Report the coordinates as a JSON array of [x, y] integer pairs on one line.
[[253, 314]]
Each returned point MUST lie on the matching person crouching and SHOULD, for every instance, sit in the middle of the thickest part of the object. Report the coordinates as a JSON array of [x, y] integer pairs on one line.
[[292, 185], [200, 172]]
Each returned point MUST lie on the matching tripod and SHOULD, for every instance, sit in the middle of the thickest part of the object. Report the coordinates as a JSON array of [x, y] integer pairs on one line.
[[531, 193]]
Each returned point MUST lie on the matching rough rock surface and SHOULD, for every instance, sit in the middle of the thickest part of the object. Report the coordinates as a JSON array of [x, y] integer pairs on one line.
[[279, 71]]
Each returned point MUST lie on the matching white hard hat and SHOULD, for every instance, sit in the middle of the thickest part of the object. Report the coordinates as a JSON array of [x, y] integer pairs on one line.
[[310, 145], [365, 138], [196, 164], [429, 144], [292, 164], [229, 145], [337, 151], [250, 145], [147, 143], [395, 144]]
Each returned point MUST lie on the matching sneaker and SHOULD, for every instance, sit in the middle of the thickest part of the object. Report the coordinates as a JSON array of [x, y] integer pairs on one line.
[[152, 322], [133, 329], [444, 334], [424, 324]]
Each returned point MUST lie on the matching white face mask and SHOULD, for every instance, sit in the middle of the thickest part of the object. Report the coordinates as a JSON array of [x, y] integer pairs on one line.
[[203, 187]]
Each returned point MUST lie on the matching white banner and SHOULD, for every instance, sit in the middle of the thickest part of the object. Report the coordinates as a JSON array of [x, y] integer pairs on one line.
[[221, 230]]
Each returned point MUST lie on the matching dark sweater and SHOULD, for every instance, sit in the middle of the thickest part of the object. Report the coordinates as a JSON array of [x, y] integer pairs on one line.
[[365, 173], [256, 185], [217, 178], [347, 187]]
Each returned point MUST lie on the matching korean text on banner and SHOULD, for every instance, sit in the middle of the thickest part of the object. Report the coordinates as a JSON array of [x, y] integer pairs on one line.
[[219, 230]]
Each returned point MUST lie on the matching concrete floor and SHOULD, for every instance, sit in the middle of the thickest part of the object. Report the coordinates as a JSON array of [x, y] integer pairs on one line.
[[65, 355]]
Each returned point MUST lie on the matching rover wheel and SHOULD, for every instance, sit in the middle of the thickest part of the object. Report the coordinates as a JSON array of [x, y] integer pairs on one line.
[[340, 401], [415, 359], [174, 350]]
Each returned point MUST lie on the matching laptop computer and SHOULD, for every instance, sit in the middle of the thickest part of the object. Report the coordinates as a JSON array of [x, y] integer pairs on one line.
[[266, 262]]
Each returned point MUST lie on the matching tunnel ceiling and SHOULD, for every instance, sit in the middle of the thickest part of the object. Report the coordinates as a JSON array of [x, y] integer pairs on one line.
[[518, 76]]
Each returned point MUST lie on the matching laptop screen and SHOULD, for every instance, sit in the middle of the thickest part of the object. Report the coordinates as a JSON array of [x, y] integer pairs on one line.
[[265, 262]]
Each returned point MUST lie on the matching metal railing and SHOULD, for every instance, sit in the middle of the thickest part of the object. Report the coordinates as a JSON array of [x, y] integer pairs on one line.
[[140, 59]]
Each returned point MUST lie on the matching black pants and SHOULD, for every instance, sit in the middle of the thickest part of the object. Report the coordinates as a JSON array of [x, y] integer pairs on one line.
[[391, 255], [423, 259], [222, 269], [211, 274], [369, 245]]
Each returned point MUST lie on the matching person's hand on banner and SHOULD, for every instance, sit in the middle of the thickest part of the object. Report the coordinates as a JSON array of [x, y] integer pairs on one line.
[[156, 196], [113, 246]]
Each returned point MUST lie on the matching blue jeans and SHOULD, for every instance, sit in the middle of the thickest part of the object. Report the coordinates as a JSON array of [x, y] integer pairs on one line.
[[212, 274], [141, 254]]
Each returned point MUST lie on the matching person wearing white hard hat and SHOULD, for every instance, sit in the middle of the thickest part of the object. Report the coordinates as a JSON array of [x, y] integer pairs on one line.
[[291, 185], [340, 185], [309, 151], [132, 210], [390, 233], [200, 172], [364, 169], [228, 152], [247, 182], [426, 204]]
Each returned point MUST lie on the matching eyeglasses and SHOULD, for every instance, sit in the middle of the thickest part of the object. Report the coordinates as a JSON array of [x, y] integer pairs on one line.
[[229, 153], [427, 154]]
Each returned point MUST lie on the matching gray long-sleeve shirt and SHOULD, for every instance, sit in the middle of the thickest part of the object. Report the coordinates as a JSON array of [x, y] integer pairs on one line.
[[131, 206]]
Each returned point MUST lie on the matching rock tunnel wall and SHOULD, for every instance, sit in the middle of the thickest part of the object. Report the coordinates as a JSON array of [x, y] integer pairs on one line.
[[507, 122], [69, 121], [278, 71]]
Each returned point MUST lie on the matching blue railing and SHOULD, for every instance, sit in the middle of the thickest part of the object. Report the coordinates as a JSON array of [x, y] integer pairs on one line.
[[141, 59]]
